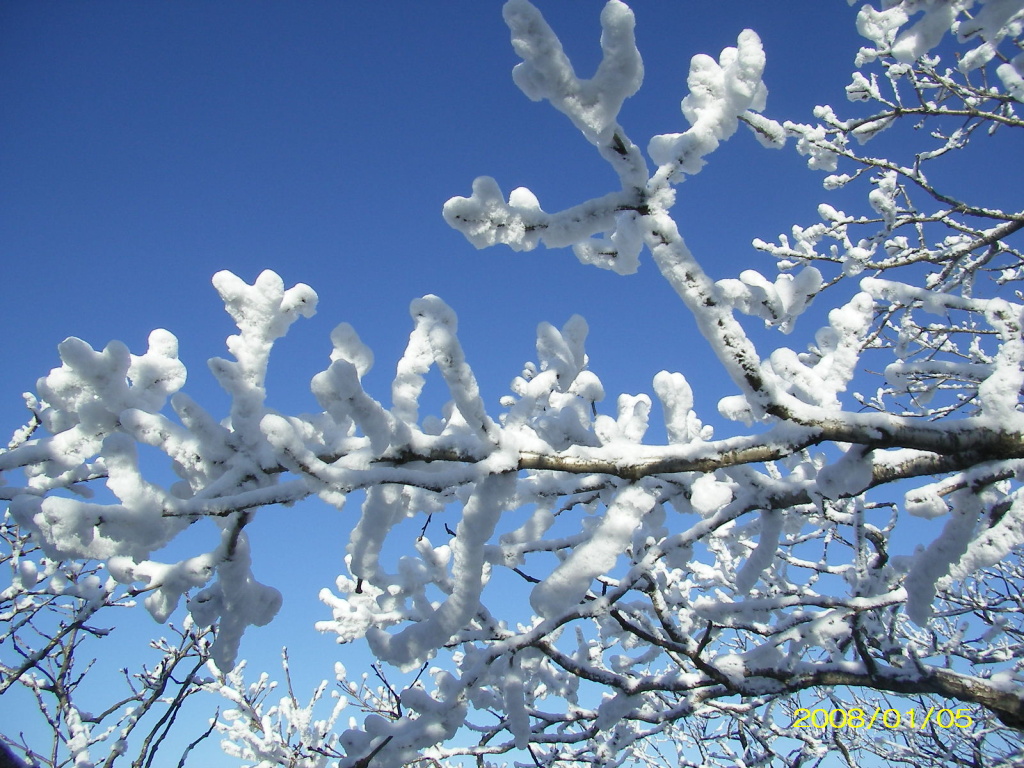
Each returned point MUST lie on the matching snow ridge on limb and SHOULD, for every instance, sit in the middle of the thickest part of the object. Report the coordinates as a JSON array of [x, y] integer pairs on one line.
[[546, 72], [98, 405], [569, 582], [593, 106], [415, 644], [486, 220], [436, 325], [721, 92], [263, 312]]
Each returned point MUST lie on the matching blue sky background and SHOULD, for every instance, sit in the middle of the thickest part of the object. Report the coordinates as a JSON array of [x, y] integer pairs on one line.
[[146, 145]]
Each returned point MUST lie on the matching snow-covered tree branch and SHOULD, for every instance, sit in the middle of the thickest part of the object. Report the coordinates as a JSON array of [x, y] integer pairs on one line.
[[695, 593], [53, 615]]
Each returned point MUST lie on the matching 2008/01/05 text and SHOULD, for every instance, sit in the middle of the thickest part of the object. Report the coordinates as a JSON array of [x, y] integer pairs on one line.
[[855, 717]]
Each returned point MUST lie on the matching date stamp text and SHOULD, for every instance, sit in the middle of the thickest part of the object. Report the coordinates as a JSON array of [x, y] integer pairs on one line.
[[855, 717]]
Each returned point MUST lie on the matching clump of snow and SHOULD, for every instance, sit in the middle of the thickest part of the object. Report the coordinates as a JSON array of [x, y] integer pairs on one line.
[[563, 589], [546, 73], [720, 92], [933, 563], [629, 426], [413, 645], [1011, 74], [676, 398], [708, 494], [778, 303], [732, 666]]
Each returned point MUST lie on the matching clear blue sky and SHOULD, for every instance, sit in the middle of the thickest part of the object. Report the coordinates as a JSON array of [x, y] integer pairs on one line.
[[146, 145]]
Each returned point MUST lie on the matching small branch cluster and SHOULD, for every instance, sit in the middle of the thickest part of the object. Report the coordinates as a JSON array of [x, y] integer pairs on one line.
[[50, 613]]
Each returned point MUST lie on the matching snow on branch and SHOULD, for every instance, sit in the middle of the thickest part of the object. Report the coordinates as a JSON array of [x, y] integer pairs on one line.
[[721, 92], [546, 73]]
